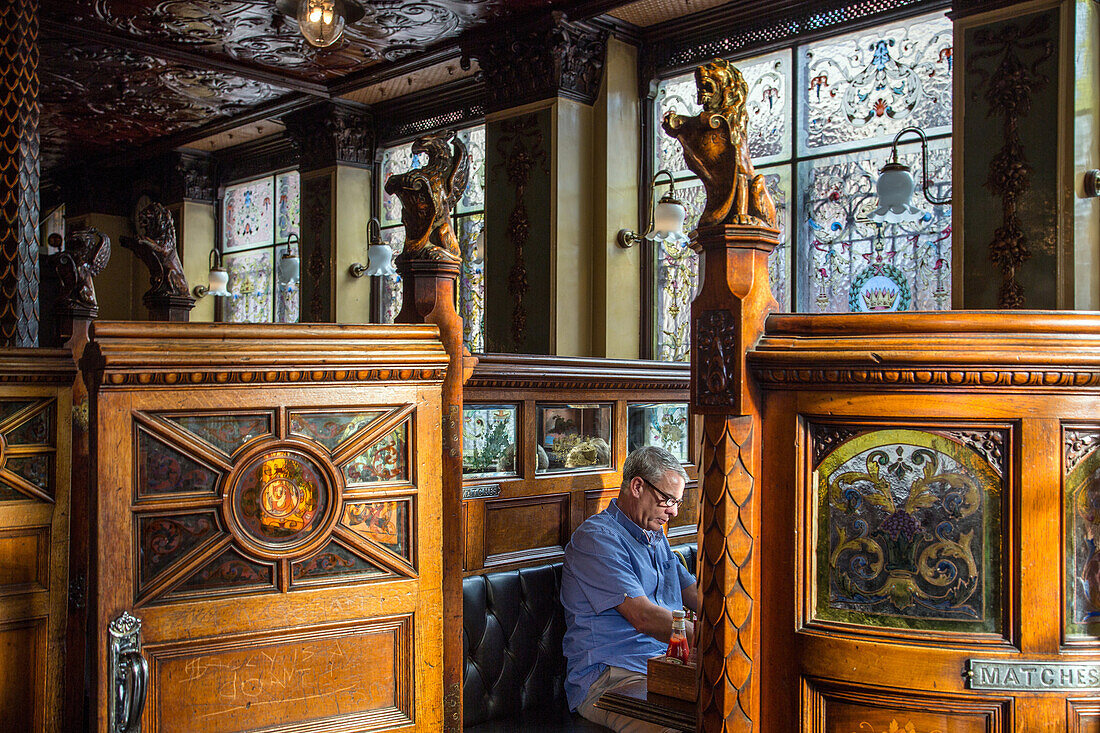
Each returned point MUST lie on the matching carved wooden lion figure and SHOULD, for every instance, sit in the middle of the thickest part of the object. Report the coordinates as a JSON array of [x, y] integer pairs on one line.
[[156, 247], [715, 144], [428, 195], [86, 253]]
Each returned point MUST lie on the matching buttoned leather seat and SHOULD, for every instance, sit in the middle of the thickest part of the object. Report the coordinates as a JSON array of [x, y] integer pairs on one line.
[[512, 629]]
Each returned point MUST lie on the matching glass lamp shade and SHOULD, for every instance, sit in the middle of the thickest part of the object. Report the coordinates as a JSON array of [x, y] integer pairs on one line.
[[290, 266], [668, 221], [219, 280], [895, 189], [322, 22], [380, 260]]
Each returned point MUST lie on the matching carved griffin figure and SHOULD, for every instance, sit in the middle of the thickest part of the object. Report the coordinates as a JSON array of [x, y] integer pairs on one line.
[[716, 149], [156, 247], [428, 195], [86, 254]]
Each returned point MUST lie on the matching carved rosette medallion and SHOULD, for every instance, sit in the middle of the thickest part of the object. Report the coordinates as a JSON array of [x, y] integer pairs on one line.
[[1018, 51], [554, 58], [717, 371], [283, 500]]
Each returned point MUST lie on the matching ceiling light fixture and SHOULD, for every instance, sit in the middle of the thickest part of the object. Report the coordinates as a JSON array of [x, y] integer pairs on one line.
[[321, 21]]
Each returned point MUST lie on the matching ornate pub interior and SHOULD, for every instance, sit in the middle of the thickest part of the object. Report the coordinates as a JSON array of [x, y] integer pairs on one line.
[[326, 323]]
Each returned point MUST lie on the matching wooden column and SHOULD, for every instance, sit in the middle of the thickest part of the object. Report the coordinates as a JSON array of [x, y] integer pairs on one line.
[[428, 296], [727, 317], [19, 173]]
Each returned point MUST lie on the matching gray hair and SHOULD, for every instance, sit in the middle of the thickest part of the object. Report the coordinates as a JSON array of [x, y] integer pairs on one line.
[[651, 463]]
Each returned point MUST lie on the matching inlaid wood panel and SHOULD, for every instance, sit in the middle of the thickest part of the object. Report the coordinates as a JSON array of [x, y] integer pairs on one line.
[[532, 526], [338, 677], [24, 560]]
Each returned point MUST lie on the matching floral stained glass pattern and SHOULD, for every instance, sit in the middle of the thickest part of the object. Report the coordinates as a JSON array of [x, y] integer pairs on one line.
[[661, 424], [391, 284], [864, 87], [385, 522], [251, 278], [1082, 544], [249, 215], [471, 298], [230, 570], [331, 428], [854, 264], [474, 198], [397, 159], [165, 470], [335, 560], [164, 539], [384, 460], [288, 205], [287, 302], [909, 533], [225, 432]]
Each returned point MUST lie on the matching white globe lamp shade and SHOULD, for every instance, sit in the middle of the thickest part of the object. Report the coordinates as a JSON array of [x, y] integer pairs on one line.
[[380, 260], [895, 189], [668, 220], [219, 281], [290, 266]]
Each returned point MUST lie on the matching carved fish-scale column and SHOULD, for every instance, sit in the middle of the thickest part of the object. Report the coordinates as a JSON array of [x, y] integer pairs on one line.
[[19, 173], [727, 317]]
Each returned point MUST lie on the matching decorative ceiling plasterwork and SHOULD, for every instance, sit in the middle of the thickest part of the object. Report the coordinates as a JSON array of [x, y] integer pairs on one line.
[[92, 96]]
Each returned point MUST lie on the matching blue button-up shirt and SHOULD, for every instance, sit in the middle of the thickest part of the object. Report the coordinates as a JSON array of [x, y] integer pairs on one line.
[[610, 559]]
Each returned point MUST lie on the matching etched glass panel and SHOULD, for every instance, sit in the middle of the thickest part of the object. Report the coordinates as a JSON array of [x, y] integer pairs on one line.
[[331, 428], [853, 264], [395, 160], [863, 88], [909, 531], [35, 469], [391, 284], [165, 470], [288, 205], [37, 430], [384, 522], [164, 540], [230, 570], [471, 281], [573, 437], [249, 215], [661, 424], [250, 282], [1082, 537], [333, 561], [489, 440], [474, 197], [227, 433], [384, 460], [768, 106], [288, 295]]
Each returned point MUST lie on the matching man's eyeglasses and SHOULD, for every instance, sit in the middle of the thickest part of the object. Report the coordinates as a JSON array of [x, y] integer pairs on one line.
[[663, 499]]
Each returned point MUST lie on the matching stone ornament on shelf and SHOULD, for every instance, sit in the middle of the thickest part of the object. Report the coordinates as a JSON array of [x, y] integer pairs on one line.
[[86, 254], [156, 247], [716, 149], [428, 194]]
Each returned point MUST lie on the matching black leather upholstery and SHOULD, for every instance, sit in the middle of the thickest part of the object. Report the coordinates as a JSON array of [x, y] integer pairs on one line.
[[512, 629]]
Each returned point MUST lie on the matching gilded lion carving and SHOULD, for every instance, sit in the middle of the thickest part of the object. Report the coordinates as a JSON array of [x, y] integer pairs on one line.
[[715, 145], [428, 195]]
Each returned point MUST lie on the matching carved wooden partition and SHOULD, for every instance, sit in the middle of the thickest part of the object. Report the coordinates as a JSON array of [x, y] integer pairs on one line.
[[35, 404], [522, 504], [268, 508], [930, 522]]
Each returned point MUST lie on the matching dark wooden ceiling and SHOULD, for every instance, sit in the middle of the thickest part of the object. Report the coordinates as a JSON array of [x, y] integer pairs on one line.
[[120, 74]]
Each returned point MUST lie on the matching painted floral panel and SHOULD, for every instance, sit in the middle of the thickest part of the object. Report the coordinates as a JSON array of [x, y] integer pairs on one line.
[[250, 280], [162, 540], [35, 469], [489, 440], [384, 460], [331, 428], [163, 469], [334, 561], [1082, 540], [863, 88], [909, 532], [384, 522], [249, 215], [227, 433], [768, 104], [37, 430], [661, 424], [229, 571], [288, 212], [855, 265]]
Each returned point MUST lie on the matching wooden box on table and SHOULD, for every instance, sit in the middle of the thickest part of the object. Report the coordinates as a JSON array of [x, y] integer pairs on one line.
[[672, 678]]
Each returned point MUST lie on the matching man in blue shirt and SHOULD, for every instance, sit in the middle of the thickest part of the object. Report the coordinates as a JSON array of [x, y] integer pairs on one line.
[[619, 585]]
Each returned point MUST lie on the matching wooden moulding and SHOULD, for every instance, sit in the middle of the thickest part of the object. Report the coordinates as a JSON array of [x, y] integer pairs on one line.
[[672, 679]]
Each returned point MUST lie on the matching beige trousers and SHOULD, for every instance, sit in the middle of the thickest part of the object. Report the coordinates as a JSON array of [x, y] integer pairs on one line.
[[611, 679]]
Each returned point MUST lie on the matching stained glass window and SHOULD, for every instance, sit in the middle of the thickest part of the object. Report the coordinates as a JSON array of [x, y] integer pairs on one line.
[[259, 218], [822, 117], [468, 221]]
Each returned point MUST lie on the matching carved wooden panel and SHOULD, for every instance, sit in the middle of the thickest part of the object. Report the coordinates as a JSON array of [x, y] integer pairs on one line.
[[854, 710], [339, 677], [27, 449], [527, 526], [1081, 536], [596, 501], [24, 560], [909, 527], [22, 671], [1084, 716]]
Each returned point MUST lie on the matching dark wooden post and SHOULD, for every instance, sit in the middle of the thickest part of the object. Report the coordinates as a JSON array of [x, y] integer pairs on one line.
[[175, 308], [727, 317], [19, 173], [428, 296]]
